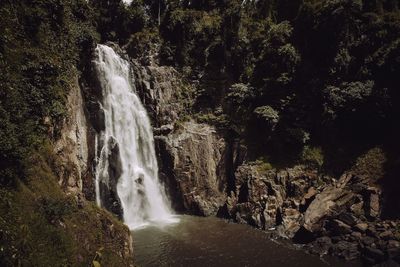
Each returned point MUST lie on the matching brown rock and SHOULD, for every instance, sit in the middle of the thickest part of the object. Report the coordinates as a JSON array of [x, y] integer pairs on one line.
[[197, 168], [361, 227], [386, 235], [373, 204]]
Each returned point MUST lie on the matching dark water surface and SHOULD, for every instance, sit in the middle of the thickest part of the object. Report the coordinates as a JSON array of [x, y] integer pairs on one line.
[[197, 241]]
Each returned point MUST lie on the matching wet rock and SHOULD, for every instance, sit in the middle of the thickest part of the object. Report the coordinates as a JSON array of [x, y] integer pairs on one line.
[[96, 116], [108, 185]]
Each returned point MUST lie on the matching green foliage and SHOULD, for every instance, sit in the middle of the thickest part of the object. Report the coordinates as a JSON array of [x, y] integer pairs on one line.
[[268, 114], [116, 21], [41, 226], [36, 73], [347, 97], [312, 156], [188, 33], [218, 119], [371, 164], [141, 42], [262, 165]]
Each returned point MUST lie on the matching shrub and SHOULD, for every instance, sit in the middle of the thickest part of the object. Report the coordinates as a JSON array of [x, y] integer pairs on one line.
[[312, 156], [268, 114], [347, 97]]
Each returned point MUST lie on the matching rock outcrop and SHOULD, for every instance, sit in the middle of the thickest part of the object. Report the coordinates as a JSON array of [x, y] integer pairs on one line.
[[272, 199], [196, 155], [72, 147], [339, 217], [75, 150]]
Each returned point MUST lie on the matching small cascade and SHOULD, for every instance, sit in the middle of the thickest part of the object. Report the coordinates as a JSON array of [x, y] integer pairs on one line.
[[126, 161]]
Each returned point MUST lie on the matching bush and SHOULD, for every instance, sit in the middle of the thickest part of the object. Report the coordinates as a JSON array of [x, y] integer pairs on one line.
[[267, 114], [347, 97], [262, 165], [312, 156]]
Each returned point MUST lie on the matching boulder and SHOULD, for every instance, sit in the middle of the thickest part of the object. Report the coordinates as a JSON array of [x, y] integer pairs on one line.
[[328, 202]]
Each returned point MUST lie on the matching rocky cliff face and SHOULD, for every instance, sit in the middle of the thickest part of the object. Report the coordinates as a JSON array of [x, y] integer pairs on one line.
[[73, 147], [75, 150], [195, 157]]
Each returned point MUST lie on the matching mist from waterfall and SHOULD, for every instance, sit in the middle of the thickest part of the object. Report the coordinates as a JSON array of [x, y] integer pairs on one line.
[[127, 126]]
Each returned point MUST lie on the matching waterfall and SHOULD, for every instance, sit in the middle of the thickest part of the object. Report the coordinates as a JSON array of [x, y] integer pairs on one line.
[[128, 137]]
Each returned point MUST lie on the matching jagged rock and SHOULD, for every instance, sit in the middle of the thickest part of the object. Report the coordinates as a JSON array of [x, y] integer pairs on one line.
[[164, 130], [162, 91], [72, 147], [373, 204], [291, 221], [308, 198], [358, 208], [348, 218], [327, 202], [361, 227], [196, 154]]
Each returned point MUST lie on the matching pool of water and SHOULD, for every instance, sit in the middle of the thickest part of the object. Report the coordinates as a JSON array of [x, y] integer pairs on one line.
[[198, 241]]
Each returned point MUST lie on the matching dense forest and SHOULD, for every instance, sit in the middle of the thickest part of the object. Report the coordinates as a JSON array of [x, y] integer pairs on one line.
[[296, 81]]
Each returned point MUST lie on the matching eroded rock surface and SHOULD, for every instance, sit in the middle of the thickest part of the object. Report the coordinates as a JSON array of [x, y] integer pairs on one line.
[[196, 155], [72, 148]]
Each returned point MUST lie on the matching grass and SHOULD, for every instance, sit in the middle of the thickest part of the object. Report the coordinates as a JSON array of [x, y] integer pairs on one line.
[[42, 226]]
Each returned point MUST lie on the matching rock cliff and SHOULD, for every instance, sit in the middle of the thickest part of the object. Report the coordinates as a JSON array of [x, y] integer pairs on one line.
[[75, 152]]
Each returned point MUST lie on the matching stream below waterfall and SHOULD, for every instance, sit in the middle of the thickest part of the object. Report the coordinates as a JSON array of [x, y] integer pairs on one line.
[[199, 241]]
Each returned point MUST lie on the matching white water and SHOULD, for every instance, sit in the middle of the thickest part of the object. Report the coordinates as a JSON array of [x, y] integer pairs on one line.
[[142, 197]]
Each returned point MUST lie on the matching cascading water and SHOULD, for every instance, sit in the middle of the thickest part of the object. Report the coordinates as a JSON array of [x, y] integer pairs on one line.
[[127, 127]]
